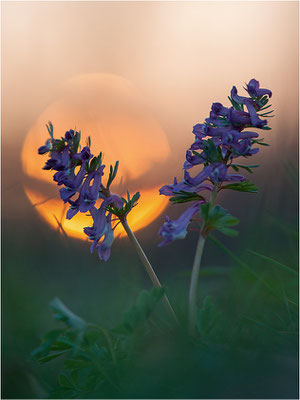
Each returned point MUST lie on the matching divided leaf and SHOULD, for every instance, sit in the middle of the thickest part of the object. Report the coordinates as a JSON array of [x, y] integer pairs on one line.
[[217, 218], [141, 311], [183, 197], [62, 313], [245, 186]]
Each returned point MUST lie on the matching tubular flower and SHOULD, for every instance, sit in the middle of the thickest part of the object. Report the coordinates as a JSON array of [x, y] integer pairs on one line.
[[79, 174], [223, 137]]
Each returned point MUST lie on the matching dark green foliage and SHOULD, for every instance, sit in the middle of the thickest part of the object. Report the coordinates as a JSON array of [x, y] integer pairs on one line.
[[76, 142], [112, 174], [129, 203], [141, 311], [260, 141], [245, 331], [62, 313], [212, 153], [94, 163], [216, 218], [237, 106], [49, 127], [245, 186], [248, 168], [58, 144], [184, 197]]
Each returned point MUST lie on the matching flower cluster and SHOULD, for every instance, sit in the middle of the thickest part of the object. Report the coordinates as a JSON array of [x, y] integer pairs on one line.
[[80, 174], [222, 138]]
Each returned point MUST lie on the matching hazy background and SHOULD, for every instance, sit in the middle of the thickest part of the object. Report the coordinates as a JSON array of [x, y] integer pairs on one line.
[[179, 57]]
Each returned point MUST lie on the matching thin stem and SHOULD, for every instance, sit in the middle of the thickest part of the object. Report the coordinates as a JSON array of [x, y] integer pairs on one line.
[[194, 283], [147, 265], [196, 267]]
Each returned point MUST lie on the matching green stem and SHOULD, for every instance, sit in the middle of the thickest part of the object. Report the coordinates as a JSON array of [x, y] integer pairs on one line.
[[196, 268], [194, 283], [147, 265]]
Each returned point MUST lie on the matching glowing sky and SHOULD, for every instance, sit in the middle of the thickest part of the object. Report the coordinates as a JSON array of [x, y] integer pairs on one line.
[[136, 77]]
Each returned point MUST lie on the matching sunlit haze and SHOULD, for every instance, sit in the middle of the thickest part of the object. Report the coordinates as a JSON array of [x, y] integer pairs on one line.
[[136, 77]]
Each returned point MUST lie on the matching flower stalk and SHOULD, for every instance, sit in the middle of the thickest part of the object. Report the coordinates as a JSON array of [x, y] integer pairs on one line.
[[147, 265], [196, 268], [219, 141], [194, 282]]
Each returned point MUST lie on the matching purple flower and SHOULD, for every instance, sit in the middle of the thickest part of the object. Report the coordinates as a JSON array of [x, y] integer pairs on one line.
[[97, 230], [69, 135], [91, 193], [188, 185], [219, 109], [198, 131], [254, 91], [221, 138], [88, 194], [72, 183], [192, 160], [84, 155], [177, 229], [167, 190], [217, 172], [243, 148], [44, 149], [255, 120], [238, 99], [59, 160], [102, 226], [237, 117], [105, 245], [233, 136]]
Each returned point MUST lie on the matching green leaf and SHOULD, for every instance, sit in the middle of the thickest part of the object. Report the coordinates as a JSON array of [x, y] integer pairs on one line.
[[212, 153], [51, 357], [141, 311], [198, 154], [245, 186], [264, 108], [88, 141], [127, 207], [204, 209], [58, 144], [183, 197], [47, 342], [207, 317], [246, 167], [275, 262], [62, 313], [266, 113], [217, 218], [64, 381], [76, 142], [50, 129], [259, 141], [235, 104], [112, 174]]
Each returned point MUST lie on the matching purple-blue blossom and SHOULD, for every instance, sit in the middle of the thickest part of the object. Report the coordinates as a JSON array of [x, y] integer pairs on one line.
[[80, 176], [177, 229], [224, 136]]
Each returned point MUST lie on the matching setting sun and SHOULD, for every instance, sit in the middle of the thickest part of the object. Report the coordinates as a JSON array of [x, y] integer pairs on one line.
[[112, 112]]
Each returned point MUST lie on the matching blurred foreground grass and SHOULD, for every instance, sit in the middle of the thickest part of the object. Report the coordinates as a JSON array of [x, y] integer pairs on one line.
[[248, 305], [247, 345]]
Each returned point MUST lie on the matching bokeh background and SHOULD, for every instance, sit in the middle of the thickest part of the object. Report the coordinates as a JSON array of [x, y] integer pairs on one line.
[[136, 77]]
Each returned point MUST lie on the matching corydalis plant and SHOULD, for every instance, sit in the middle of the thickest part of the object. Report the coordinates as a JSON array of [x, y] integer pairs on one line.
[[80, 175], [219, 142]]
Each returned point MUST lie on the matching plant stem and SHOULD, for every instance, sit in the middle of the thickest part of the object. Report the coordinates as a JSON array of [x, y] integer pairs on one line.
[[147, 265], [194, 283], [196, 268]]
